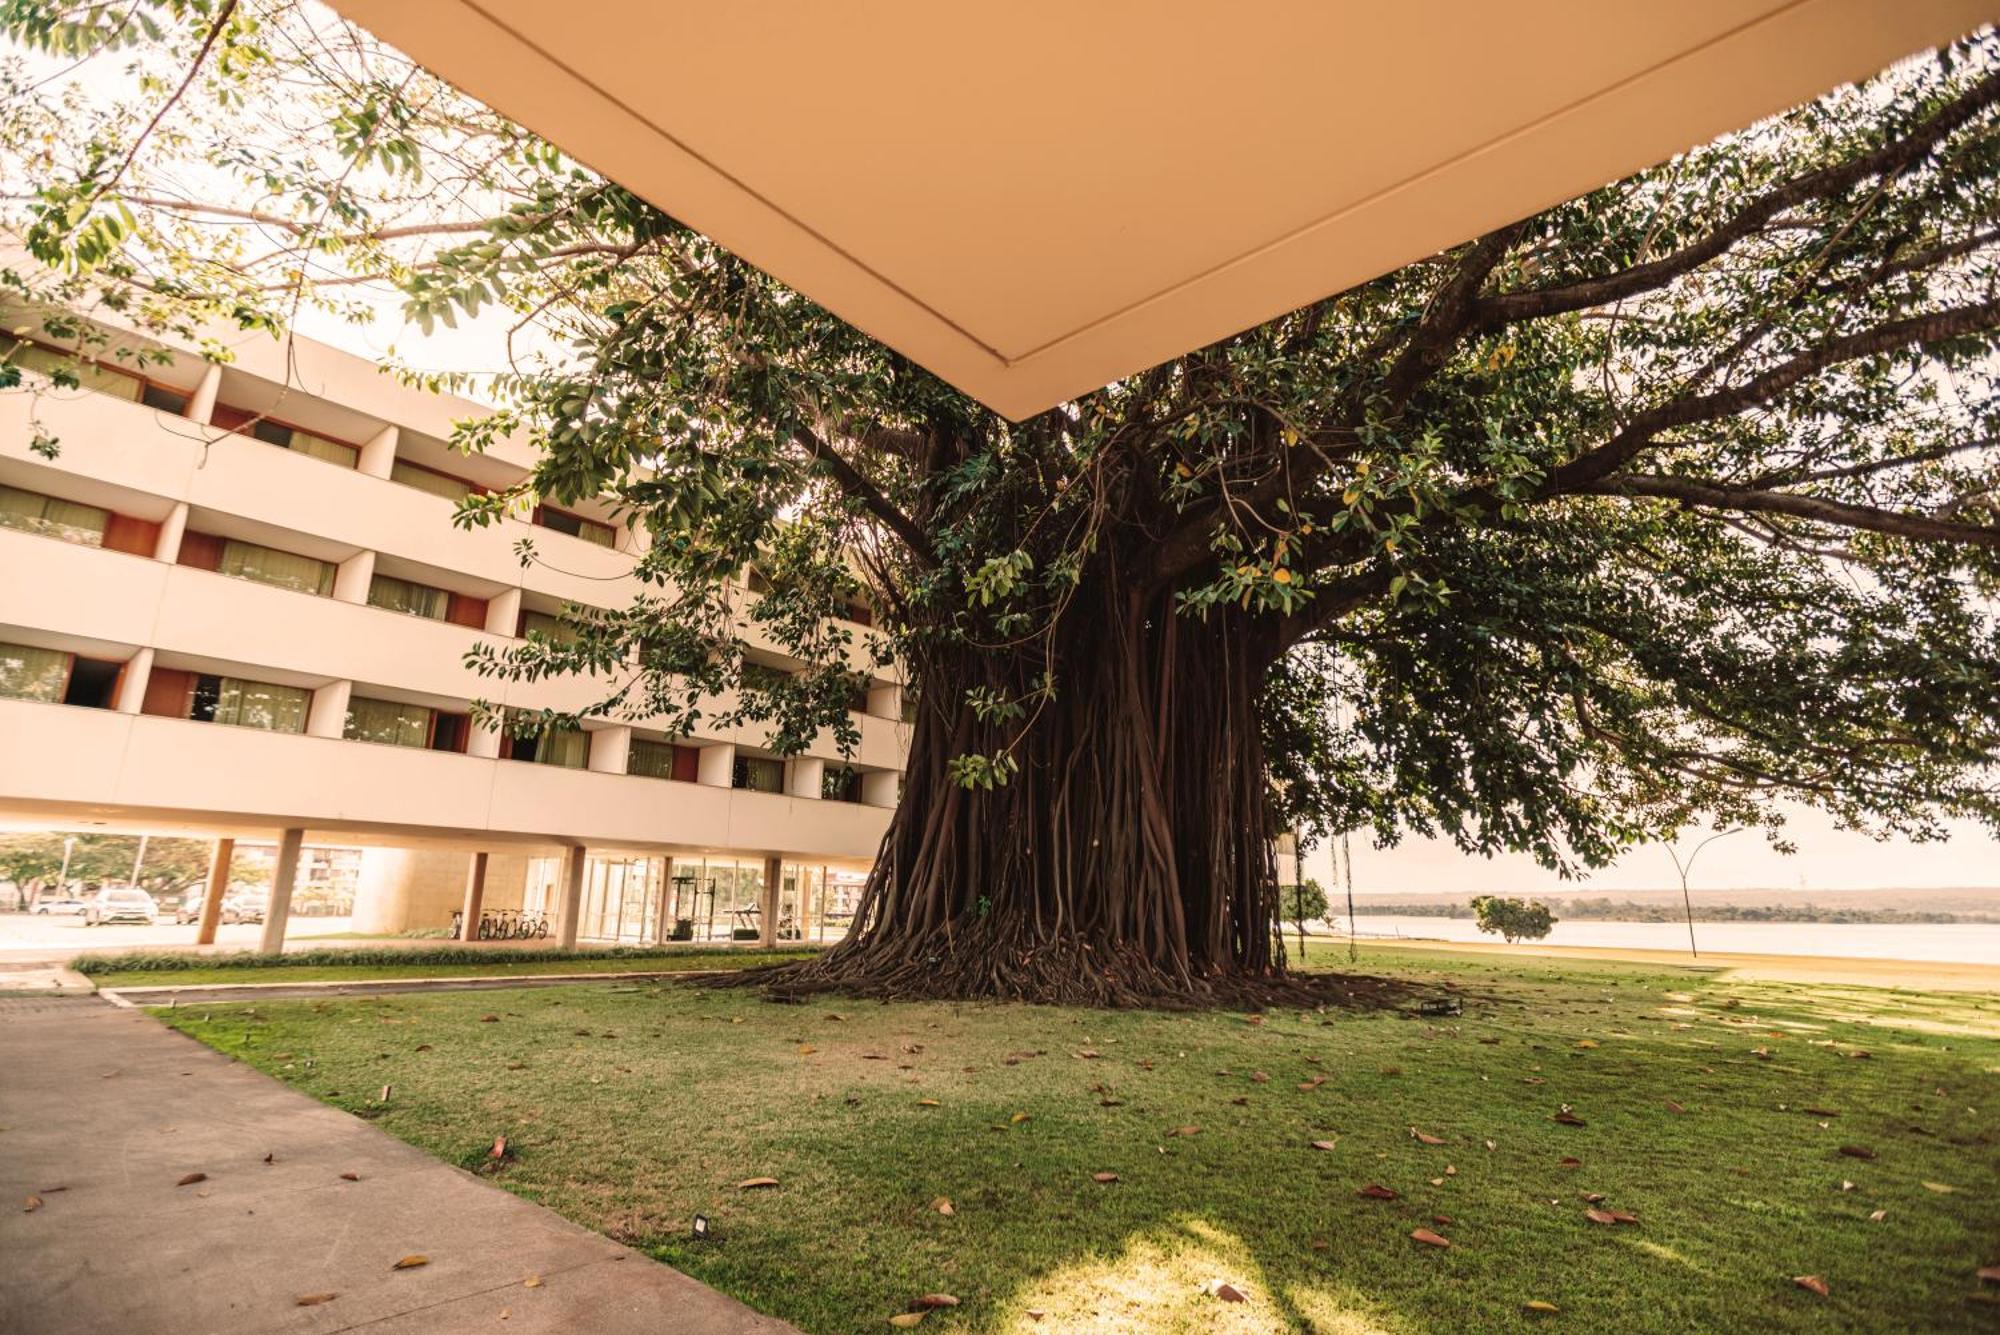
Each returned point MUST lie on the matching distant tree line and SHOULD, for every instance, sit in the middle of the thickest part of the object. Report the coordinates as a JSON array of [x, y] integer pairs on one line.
[[1616, 910]]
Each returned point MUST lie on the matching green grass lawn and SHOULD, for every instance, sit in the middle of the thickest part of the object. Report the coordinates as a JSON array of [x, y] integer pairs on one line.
[[494, 965], [1714, 1112]]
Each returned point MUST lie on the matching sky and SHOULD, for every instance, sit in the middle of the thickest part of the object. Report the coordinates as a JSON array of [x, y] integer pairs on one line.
[[1828, 859]]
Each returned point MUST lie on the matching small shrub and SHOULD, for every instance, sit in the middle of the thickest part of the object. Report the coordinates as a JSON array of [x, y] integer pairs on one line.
[[1514, 919]]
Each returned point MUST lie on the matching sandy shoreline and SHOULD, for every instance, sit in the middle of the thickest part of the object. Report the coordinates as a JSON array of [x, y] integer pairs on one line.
[[1927, 975]]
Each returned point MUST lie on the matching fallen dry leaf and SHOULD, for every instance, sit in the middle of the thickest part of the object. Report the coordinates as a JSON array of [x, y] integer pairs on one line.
[[1567, 1118], [411, 1262], [1569, 1161], [1259, 1078], [906, 1319], [1228, 1293], [1104, 1177], [1941, 1188], [1811, 1284], [929, 1103], [1087, 1054], [1597, 1216], [935, 1300], [314, 1299], [755, 1183], [943, 1205], [1539, 1308], [1308, 1086], [191, 1179], [807, 1049], [1019, 1118], [1586, 1042], [1877, 1216], [1674, 1107], [1185, 1131], [1375, 1191], [1428, 1238], [1989, 1273], [34, 1204], [489, 1019], [532, 1282], [1425, 1138], [1324, 1144], [499, 1150], [1857, 1151]]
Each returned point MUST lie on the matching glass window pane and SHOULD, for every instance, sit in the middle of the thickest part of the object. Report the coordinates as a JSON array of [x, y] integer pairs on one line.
[[32, 674], [542, 625], [424, 480], [319, 447], [402, 595], [564, 747], [49, 362], [256, 704], [651, 758], [246, 560], [68, 520], [760, 774], [387, 721]]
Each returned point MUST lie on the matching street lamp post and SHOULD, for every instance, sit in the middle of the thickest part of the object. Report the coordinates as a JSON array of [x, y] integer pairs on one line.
[[1684, 868], [62, 878]]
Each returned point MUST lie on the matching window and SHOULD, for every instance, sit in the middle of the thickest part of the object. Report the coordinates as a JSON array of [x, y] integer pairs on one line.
[[857, 695], [841, 785], [27, 673], [562, 521], [285, 436], [449, 731], [53, 363], [566, 747], [244, 704], [425, 479], [387, 721], [763, 677], [266, 565], [663, 760], [909, 695], [93, 682], [758, 774], [33, 512], [402, 595], [545, 626]]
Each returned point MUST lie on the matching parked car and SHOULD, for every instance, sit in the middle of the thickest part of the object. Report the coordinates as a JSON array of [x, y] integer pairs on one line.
[[61, 904], [237, 906], [121, 903]]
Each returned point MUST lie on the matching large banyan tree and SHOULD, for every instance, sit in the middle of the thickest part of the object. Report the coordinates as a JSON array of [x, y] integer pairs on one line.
[[1670, 501]]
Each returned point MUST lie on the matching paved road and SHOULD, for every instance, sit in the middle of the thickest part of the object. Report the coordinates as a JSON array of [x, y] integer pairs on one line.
[[114, 1108]]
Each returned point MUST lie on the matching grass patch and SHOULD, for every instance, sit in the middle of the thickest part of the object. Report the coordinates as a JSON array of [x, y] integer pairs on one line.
[[164, 969], [629, 1109]]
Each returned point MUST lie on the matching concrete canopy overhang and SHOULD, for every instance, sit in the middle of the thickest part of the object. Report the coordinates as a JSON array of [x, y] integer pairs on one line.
[[1035, 199]]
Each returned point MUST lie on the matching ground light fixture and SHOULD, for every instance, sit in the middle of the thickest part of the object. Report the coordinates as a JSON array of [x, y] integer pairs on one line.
[[702, 1231]]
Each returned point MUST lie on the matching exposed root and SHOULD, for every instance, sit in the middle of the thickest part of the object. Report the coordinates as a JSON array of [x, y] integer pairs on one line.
[[1057, 974]]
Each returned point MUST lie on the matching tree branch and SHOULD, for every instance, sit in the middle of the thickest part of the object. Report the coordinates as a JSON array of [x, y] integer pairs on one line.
[[1692, 491], [851, 480]]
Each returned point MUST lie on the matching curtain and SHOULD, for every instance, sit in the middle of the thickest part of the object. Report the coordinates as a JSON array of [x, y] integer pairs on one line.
[[760, 775], [33, 674], [541, 625], [402, 595], [246, 560], [36, 513], [560, 746], [387, 721], [653, 759], [256, 704], [51, 363], [319, 447], [424, 480]]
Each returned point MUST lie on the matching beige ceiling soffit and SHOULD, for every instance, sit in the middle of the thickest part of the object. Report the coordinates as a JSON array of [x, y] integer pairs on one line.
[[1032, 200]]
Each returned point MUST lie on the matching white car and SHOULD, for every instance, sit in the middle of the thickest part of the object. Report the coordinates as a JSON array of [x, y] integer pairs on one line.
[[60, 904], [121, 904]]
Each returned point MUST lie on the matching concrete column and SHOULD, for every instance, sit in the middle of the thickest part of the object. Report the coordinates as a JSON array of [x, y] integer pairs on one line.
[[352, 577], [172, 529], [201, 404], [805, 776], [717, 765], [767, 919], [475, 897], [218, 886], [328, 715], [283, 875], [483, 742], [377, 453], [571, 909], [881, 787], [503, 612], [132, 682], [610, 749]]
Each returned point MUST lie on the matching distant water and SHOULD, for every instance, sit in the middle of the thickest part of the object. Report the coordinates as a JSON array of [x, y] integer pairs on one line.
[[1960, 943]]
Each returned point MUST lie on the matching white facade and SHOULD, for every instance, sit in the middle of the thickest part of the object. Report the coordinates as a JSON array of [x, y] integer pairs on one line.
[[154, 631]]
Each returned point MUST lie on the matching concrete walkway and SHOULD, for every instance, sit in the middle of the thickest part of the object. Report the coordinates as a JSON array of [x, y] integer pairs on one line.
[[103, 1111]]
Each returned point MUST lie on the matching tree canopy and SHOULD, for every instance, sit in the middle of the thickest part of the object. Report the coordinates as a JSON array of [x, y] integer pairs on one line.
[[1640, 513]]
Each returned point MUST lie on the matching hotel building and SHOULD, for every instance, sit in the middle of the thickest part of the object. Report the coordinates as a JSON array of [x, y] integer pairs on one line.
[[233, 604]]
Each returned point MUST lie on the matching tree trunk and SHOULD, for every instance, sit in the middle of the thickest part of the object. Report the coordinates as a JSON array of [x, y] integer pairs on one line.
[[1128, 860]]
